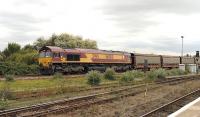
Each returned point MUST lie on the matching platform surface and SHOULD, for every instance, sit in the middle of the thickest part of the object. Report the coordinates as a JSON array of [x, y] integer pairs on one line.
[[190, 110]]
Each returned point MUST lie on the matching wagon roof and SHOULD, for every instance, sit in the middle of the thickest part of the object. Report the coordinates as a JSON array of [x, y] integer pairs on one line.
[[138, 54], [170, 56], [187, 57]]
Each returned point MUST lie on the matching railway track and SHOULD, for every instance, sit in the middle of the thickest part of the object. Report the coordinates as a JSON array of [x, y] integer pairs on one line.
[[174, 105], [83, 101]]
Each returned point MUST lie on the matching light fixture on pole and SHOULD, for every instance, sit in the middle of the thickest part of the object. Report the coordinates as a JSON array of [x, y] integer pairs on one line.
[[182, 46]]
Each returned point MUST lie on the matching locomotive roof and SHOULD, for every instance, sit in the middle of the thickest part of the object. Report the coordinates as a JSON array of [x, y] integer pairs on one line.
[[79, 50], [52, 48]]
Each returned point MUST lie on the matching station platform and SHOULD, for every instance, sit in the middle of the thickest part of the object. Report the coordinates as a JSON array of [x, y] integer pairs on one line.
[[190, 110]]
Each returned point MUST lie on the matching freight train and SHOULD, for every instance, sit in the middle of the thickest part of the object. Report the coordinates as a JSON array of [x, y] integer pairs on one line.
[[55, 59]]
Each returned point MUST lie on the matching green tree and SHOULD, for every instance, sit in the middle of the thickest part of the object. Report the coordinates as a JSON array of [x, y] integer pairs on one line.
[[40, 42], [2, 56], [66, 41], [11, 49], [53, 39], [28, 47], [27, 56], [90, 44]]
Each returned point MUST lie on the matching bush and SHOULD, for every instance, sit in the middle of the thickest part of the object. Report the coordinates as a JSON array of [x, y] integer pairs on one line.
[[109, 74], [138, 74], [156, 74], [58, 75], [127, 76], [187, 70], [94, 78], [151, 75], [18, 68], [174, 72], [3, 104], [161, 73], [9, 77], [5, 92]]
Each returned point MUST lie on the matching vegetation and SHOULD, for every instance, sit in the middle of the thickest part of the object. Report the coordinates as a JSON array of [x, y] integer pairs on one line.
[[94, 78], [138, 74], [128, 76], [18, 68], [3, 104], [18, 60], [5, 94], [157, 74], [11, 49], [60, 82], [161, 73], [58, 75], [109, 74], [9, 77], [175, 72], [66, 41], [187, 70]]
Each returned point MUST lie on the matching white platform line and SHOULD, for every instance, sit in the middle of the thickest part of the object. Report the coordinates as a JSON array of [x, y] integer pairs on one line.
[[184, 108]]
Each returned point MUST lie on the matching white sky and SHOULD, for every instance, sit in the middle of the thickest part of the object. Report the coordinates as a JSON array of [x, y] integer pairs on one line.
[[146, 26]]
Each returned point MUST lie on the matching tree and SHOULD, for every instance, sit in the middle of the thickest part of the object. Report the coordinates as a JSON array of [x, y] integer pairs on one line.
[[27, 56], [66, 41], [11, 49], [53, 39], [41, 42], [28, 47], [90, 44], [2, 56]]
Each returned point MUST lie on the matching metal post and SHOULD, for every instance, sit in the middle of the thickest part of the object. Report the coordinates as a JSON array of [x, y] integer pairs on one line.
[[182, 46]]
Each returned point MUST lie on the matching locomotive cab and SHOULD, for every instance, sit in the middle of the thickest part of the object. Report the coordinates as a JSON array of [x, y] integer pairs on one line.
[[48, 56]]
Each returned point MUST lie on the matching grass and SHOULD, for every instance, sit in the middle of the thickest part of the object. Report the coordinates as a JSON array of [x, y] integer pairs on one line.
[[26, 85], [29, 85]]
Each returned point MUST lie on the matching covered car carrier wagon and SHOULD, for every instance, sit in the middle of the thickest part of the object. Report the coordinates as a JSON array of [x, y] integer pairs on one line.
[[170, 61], [187, 60], [152, 61]]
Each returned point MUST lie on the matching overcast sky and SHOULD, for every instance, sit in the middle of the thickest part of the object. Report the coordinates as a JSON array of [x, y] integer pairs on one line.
[[146, 26]]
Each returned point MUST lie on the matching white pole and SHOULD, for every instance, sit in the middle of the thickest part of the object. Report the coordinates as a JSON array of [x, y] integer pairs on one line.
[[182, 46]]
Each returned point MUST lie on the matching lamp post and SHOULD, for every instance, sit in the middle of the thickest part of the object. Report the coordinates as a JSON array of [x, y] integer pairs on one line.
[[182, 46]]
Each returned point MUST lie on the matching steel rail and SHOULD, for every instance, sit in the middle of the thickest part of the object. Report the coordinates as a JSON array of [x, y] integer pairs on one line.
[[170, 103]]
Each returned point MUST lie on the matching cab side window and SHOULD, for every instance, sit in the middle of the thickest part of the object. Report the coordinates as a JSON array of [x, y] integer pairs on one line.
[[56, 55], [48, 54]]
